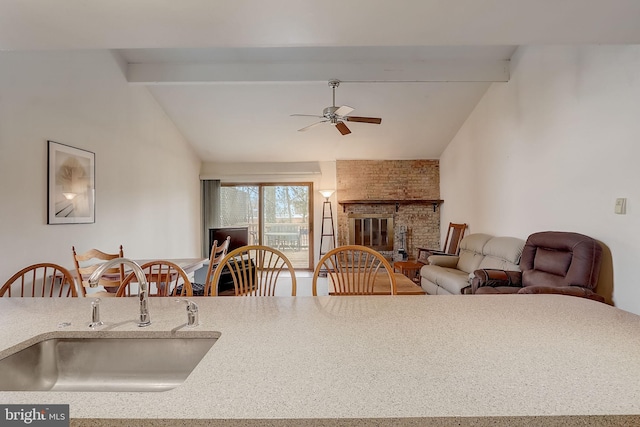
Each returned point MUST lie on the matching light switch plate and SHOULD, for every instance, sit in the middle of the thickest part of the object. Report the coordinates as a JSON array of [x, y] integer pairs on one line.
[[621, 206]]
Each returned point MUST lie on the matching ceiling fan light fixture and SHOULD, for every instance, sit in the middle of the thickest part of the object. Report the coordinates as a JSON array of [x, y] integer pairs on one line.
[[329, 112]]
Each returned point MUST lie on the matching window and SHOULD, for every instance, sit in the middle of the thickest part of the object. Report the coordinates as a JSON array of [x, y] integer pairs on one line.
[[277, 215]]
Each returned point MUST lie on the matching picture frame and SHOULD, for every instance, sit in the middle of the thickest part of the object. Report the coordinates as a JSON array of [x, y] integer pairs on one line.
[[71, 185]]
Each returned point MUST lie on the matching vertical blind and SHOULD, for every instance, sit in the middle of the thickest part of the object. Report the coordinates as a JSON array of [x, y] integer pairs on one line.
[[210, 210]]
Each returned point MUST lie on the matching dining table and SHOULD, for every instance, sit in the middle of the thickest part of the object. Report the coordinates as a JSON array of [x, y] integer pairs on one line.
[[382, 285], [189, 265]]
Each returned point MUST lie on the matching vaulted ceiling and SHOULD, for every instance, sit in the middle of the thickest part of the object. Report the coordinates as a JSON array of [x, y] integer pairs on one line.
[[230, 73]]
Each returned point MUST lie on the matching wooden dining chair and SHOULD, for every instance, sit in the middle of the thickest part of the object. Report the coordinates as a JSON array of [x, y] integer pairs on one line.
[[455, 233], [165, 279], [217, 254], [255, 271], [354, 270], [89, 261], [40, 280]]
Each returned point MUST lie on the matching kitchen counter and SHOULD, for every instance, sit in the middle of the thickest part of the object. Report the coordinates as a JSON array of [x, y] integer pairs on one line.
[[511, 360]]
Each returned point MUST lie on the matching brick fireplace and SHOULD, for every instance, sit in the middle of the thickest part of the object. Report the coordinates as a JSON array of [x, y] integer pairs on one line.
[[381, 181]]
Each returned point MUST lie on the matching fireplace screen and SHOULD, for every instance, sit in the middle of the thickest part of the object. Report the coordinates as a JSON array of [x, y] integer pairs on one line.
[[371, 230]]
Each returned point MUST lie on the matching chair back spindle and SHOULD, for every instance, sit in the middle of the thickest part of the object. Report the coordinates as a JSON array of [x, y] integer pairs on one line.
[[255, 270], [44, 280], [353, 270], [165, 279]]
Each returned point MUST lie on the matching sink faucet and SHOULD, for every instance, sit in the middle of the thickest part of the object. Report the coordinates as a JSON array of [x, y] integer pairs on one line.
[[95, 314], [143, 293], [192, 313]]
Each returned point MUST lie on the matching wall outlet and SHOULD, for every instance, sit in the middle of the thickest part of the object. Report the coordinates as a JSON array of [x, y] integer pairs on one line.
[[621, 206]]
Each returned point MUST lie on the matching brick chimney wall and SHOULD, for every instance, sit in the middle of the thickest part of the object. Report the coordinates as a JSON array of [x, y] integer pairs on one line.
[[392, 180]]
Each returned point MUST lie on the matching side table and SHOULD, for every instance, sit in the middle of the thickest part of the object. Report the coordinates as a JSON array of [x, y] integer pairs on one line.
[[409, 269]]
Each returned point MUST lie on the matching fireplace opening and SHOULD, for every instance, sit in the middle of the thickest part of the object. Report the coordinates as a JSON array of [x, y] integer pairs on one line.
[[372, 230]]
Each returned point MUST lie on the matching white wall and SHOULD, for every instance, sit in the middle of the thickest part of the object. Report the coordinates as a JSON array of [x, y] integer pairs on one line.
[[551, 150], [147, 186]]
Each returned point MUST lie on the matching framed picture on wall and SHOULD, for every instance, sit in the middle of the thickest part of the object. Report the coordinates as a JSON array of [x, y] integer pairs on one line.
[[71, 182]]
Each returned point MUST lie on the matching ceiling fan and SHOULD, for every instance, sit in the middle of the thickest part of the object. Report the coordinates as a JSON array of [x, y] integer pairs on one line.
[[338, 115]]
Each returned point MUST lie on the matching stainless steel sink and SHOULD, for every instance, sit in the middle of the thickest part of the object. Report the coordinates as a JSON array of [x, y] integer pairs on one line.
[[104, 364]]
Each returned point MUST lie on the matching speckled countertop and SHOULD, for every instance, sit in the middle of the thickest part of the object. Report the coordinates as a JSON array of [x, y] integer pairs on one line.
[[397, 360]]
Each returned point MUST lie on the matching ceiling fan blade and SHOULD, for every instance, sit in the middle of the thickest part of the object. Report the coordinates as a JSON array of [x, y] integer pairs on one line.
[[343, 128], [343, 111], [312, 125], [305, 115], [373, 120]]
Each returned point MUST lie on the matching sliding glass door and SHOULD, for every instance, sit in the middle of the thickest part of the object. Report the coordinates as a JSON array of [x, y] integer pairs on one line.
[[277, 215]]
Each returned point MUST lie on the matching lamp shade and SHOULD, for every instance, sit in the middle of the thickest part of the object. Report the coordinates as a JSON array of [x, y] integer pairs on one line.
[[327, 193]]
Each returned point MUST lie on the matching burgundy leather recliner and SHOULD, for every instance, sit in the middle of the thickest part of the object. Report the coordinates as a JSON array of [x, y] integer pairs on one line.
[[553, 262]]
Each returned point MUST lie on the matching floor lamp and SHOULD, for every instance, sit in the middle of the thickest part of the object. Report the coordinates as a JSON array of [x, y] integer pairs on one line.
[[328, 232]]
